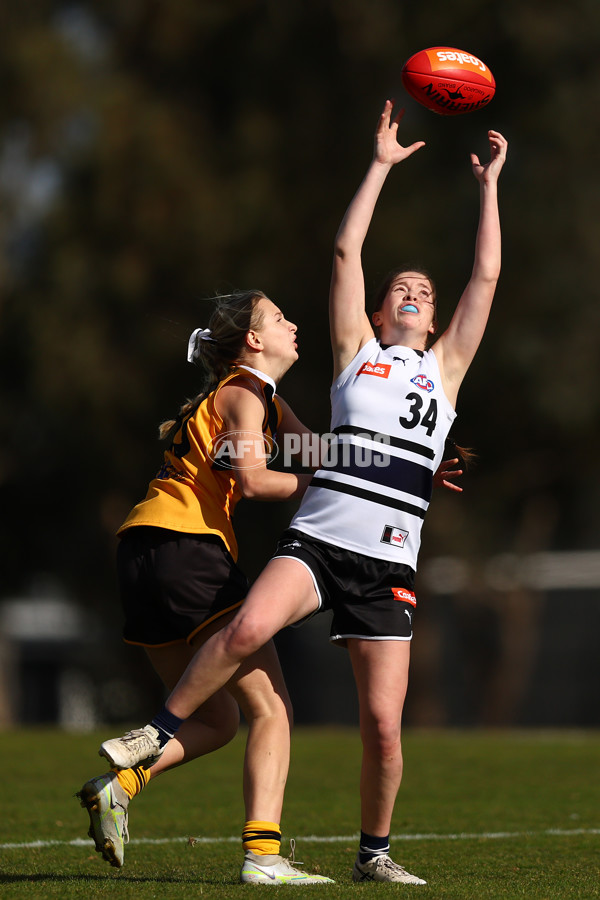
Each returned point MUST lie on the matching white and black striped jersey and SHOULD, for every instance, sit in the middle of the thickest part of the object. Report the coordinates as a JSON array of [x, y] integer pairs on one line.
[[390, 419]]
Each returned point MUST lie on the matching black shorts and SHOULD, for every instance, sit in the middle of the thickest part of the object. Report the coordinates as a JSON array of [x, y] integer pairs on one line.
[[371, 598], [172, 584]]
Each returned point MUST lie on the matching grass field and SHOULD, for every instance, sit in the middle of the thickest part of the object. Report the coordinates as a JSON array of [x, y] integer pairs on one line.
[[480, 815]]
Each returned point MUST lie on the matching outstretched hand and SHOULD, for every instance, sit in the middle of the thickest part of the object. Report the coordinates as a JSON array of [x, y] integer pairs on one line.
[[445, 473], [387, 149], [490, 171]]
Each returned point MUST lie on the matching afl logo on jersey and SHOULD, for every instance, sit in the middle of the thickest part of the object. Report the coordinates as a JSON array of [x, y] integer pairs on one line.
[[423, 382], [382, 370]]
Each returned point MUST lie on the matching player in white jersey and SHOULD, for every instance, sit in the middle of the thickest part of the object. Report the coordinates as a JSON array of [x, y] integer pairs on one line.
[[390, 418], [354, 542]]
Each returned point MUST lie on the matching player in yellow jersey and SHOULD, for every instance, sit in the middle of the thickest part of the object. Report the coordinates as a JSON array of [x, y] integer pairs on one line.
[[180, 583]]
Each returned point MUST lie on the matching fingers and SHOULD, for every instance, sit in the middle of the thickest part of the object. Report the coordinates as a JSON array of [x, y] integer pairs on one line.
[[387, 111], [497, 140], [413, 147], [446, 464], [498, 143], [447, 472], [387, 147], [445, 475], [454, 474], [399, 116], [452, 487], [386, 116]]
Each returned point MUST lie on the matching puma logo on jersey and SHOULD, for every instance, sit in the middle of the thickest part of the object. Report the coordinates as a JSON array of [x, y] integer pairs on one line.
[[394, 536], [382, 370]]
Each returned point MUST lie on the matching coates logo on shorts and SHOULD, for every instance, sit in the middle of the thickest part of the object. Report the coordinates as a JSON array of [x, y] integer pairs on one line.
[[405, 596], [423, 382], [241, 450]]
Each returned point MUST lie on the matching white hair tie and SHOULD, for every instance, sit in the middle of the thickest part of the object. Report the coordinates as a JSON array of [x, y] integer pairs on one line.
[[200, 334]]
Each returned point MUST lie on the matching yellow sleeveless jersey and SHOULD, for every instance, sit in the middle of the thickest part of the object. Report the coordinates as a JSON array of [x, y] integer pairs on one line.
[[192, 493]]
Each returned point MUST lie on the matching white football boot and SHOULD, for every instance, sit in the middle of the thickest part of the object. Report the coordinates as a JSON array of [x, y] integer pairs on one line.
[[382, 868], [276, 870], [138, 747]]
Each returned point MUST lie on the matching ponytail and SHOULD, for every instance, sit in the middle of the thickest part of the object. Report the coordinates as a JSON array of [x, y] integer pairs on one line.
[[465, 455], [218, 348]]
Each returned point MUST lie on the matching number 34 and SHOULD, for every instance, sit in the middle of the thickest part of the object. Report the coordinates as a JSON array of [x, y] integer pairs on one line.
[[427, 420]]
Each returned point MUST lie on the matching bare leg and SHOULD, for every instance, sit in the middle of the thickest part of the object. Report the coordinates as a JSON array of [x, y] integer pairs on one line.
[[281, 595], [256, 683], [209, 727], [260, 690], [381, 674]]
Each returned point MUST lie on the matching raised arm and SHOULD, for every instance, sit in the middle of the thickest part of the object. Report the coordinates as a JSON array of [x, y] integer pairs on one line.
[[456, 348], [349, 323]]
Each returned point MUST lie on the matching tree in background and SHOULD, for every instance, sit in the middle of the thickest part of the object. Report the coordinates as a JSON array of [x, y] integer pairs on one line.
[[152, 153]]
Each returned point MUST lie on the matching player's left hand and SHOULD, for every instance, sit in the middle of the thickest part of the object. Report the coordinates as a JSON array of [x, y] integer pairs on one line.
[[491, 170], [445, 473]]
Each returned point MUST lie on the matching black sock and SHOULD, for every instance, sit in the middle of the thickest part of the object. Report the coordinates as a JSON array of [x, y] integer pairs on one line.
[[166, 724], [371, 846]]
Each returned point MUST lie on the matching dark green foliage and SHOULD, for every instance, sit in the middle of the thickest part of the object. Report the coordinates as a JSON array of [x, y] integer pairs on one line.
[[154, 153]]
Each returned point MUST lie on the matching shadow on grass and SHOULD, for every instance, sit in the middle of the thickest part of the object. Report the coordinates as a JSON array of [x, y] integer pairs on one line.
[[52, 877]]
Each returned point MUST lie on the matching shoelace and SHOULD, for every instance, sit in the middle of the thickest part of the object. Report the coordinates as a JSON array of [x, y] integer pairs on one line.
[[139, 736], [125, 831], [386, 862], [292, 857]]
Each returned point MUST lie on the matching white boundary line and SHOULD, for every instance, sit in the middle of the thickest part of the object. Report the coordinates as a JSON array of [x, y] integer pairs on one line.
[[317, 839]]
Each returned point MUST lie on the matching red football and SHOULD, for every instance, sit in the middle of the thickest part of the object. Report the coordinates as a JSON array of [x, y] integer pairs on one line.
[[448, 81]]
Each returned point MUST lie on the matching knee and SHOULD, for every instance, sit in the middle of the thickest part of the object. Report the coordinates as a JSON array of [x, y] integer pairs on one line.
[[268, 711], [242, 638], [279, 706], [382, 738], [263, 698]]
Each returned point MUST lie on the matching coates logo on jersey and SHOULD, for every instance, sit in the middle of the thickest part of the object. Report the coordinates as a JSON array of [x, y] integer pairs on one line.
[[423, 382], [394, 536], [382, 370], [404, 595]]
